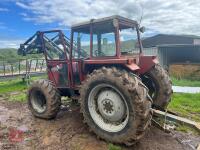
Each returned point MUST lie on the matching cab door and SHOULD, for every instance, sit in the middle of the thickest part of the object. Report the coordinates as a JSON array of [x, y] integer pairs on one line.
[[57, 58]]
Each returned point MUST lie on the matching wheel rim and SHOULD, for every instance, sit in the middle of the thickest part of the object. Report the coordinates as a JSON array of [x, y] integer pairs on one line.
[[38, 101], [108, 108]]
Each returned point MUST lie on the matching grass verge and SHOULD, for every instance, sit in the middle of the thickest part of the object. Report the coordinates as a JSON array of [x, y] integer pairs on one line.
[[12, 85], [16, 84], [185, 82], [187, 129], [186, 105]]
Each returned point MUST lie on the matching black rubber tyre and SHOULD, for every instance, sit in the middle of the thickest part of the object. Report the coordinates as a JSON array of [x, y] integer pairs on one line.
[[160, 86], [135, 95], [43, 99]]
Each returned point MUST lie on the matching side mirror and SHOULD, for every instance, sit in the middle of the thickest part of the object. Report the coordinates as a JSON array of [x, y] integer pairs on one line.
[[142, 29]]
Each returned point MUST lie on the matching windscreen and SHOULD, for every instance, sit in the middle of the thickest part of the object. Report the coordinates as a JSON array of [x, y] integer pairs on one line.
[[103, 41], [129, 41]]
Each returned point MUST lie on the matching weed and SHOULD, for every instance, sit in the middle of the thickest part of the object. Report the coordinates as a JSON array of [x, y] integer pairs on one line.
[[114, 147]]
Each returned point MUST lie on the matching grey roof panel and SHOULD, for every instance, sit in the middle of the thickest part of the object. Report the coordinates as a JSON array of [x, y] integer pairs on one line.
[[104, 19]]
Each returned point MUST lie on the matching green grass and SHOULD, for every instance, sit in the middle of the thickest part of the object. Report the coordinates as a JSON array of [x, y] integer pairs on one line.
[[18, 98], [185, 82], [186, 105], [13, 85], [114, 147], [187, 129]]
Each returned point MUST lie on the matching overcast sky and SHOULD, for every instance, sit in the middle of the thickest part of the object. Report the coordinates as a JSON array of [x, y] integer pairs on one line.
[[19, 19]]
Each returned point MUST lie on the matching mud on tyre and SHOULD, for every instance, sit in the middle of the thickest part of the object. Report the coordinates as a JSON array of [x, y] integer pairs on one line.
[[43, 99], [160, 86], [115, 105]]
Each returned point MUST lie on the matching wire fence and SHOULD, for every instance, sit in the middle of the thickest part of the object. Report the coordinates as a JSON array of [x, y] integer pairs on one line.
[[21, 67]]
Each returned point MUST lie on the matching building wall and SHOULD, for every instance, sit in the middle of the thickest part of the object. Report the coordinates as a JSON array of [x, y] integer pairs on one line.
[[180, 54], [152, 51], [175, 54]]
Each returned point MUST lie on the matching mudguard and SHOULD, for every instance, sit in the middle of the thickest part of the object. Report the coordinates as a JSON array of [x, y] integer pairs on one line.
[[146, 63]]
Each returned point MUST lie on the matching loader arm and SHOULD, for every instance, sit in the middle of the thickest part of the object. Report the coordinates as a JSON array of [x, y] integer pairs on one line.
[[34, 44]]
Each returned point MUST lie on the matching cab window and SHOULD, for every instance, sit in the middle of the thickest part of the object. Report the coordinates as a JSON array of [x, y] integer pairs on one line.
[[104, 40]]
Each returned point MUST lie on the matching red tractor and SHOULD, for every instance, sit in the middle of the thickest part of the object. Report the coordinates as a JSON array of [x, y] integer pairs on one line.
[[101, 65]]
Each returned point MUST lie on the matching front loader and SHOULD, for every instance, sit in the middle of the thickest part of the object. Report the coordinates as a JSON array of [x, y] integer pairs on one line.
[[102, 65]]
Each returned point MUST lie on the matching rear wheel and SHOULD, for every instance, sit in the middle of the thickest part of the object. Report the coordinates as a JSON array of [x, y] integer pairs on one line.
[[43, 99], [115, 105], [160, 86]]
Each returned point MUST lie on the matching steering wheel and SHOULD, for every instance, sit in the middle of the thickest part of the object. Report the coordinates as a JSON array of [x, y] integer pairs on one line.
[[99, 53]]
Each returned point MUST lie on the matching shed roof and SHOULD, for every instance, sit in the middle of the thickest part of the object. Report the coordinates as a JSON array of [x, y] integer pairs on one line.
[[167, 39], [177, 45]]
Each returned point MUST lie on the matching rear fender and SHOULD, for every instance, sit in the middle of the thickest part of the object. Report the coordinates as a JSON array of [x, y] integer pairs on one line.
[[146, 63]]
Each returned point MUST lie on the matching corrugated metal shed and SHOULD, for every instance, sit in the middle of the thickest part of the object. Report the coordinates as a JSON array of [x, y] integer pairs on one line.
[[152, 51], [172, 49], [172, 54]]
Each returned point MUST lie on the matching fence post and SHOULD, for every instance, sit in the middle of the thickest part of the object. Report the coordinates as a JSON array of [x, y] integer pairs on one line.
[[26, 66], [4, 67], [42, 65], [19, 67], [11, 68], [30, 64], [36, 65]]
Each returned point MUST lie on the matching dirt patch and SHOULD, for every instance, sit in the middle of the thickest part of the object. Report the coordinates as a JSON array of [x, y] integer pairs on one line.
[[20, 130]]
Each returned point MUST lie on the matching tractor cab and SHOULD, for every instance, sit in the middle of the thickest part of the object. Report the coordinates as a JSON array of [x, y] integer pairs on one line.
[[111, 42], [110, 37]]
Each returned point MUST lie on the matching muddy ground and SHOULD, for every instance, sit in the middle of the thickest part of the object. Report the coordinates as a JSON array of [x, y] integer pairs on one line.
[[20, 130]]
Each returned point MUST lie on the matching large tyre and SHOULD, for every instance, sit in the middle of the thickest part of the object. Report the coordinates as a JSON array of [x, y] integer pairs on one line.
[[43, 99], [115, 105], [160, 86]]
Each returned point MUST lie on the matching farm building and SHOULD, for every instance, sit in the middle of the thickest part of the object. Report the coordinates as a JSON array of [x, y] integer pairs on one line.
[[173, 49]]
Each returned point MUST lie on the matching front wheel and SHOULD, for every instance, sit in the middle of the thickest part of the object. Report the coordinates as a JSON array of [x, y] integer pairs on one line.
[[115, 105], [43, 99]]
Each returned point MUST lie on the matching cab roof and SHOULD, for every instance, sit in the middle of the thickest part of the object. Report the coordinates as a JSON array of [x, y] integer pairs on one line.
[[104, 20]]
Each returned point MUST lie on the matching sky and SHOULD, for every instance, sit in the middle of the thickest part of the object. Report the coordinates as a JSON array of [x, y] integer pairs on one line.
[[20, 19]]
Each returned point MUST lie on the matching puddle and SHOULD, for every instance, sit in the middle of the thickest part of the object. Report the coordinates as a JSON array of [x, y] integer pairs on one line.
[[3, 114], [2, 109], [23, 128]]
